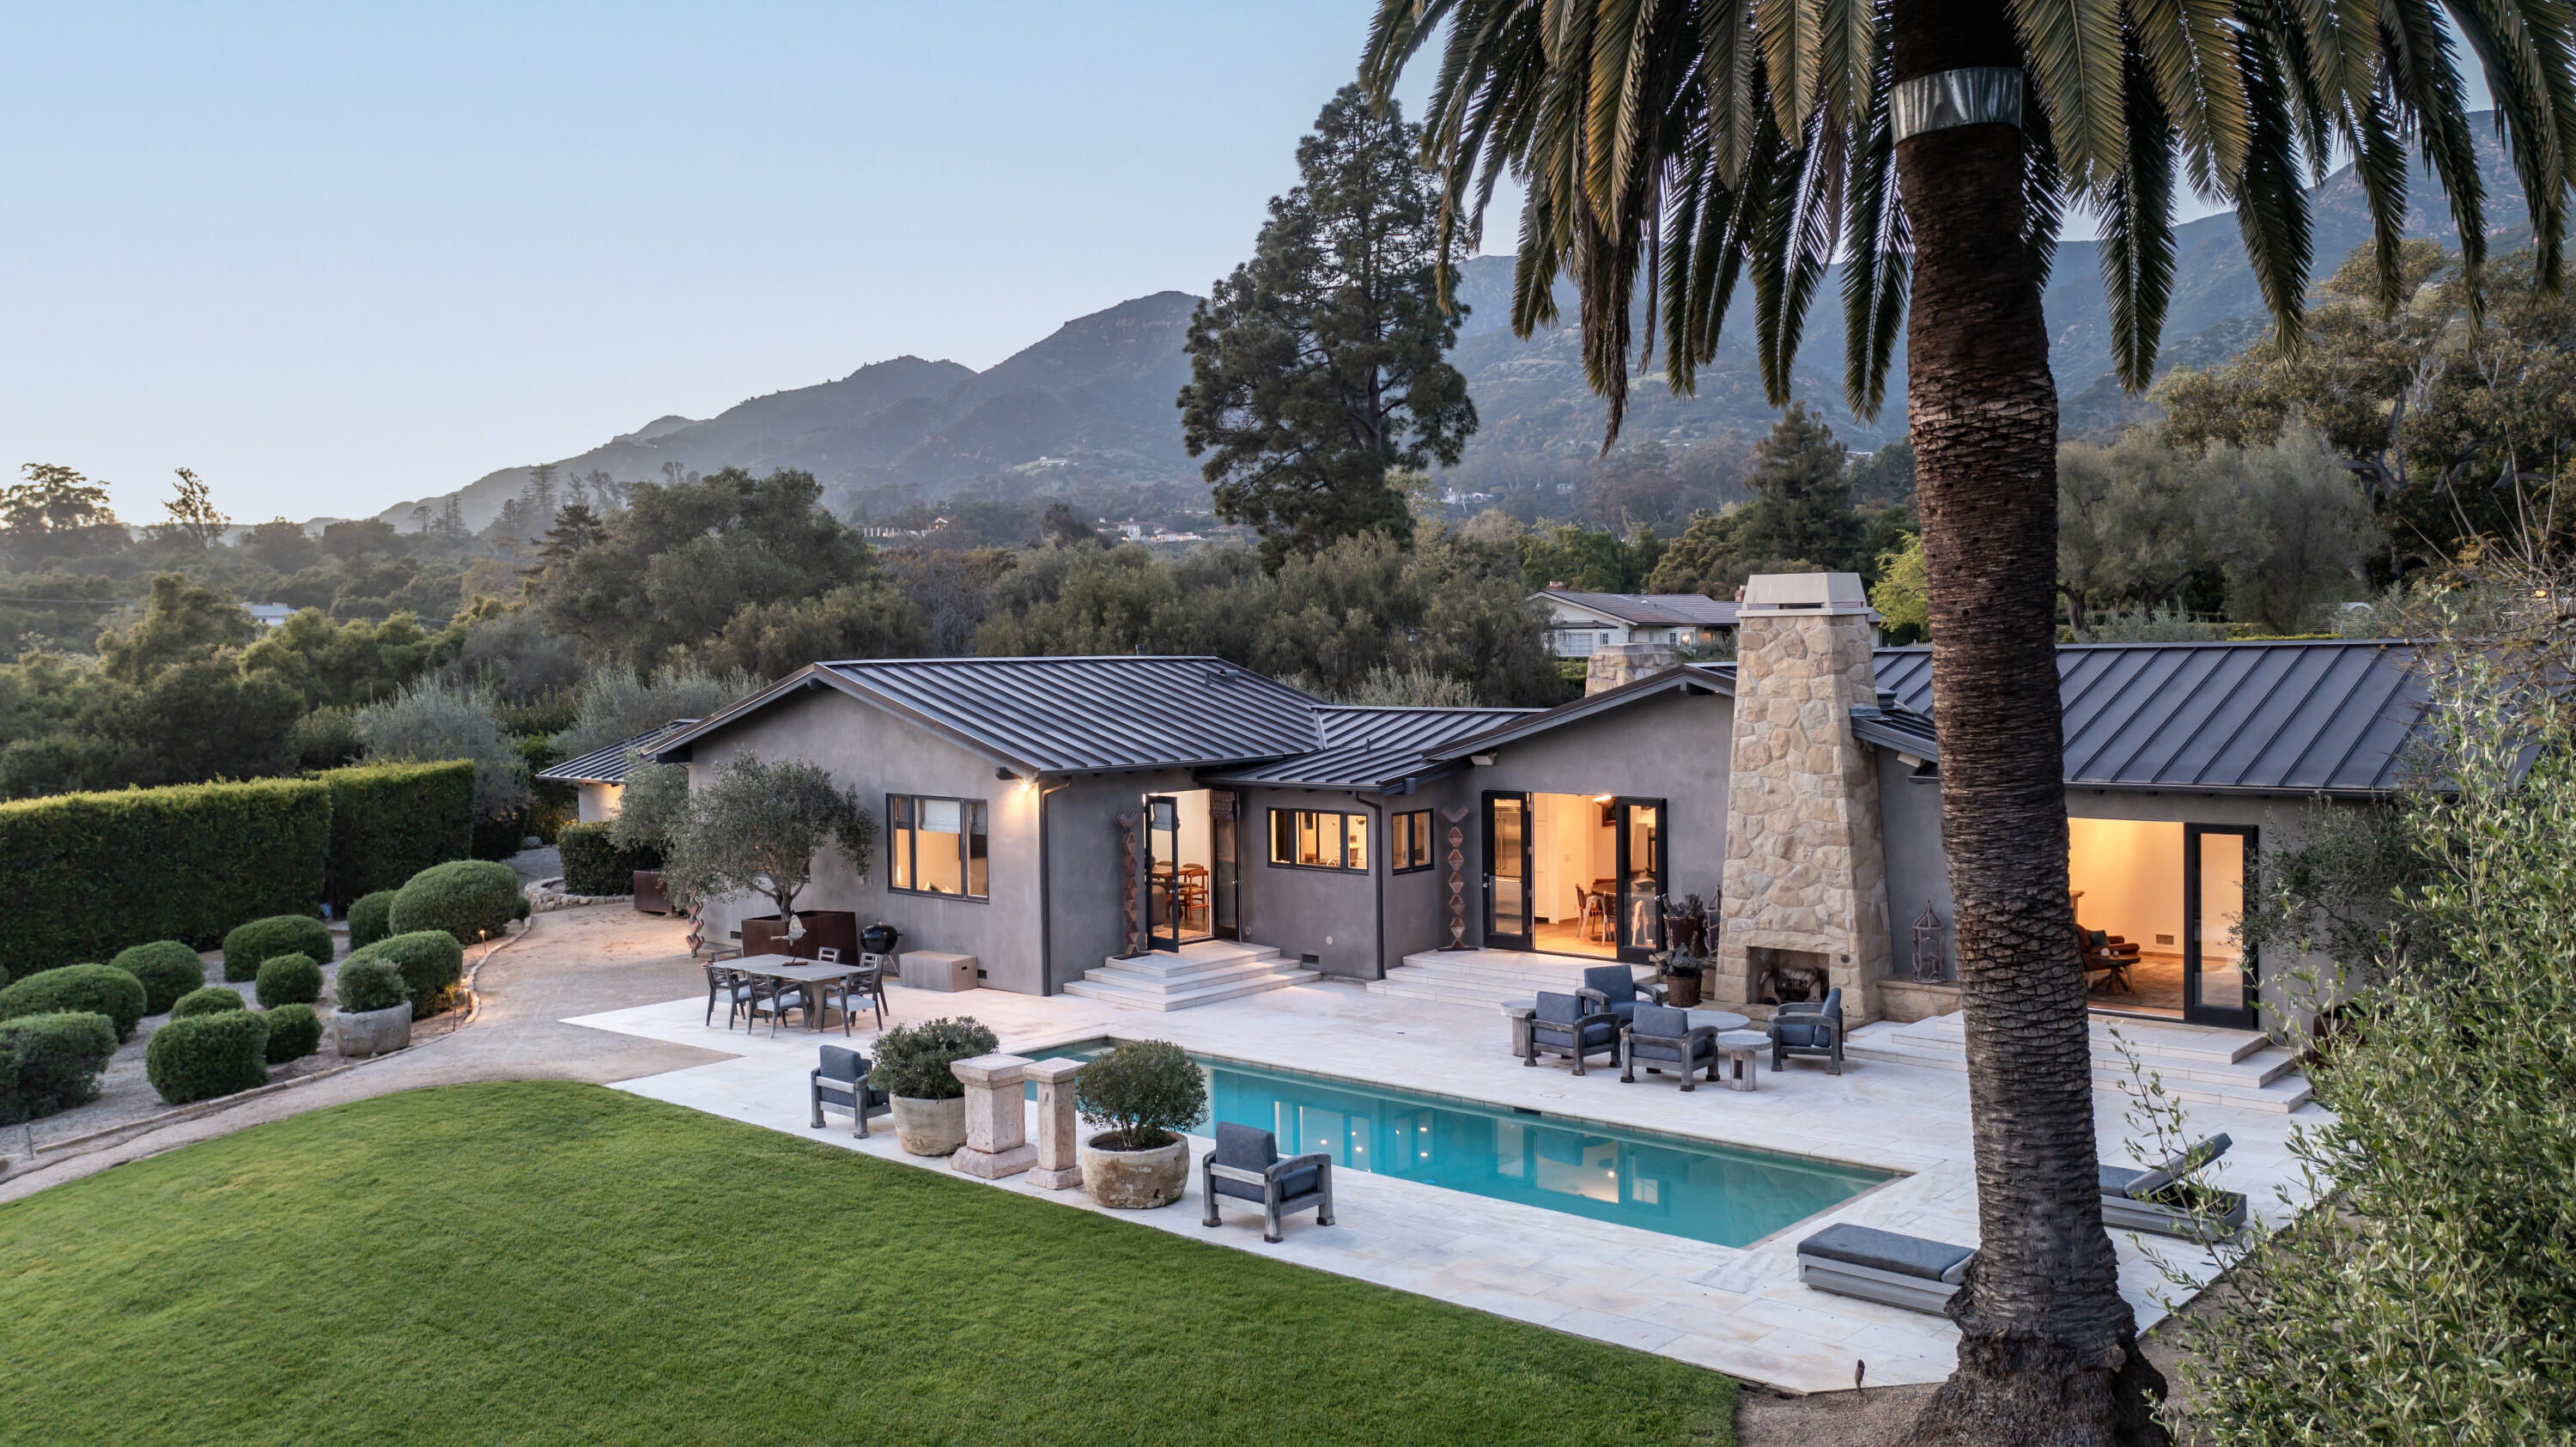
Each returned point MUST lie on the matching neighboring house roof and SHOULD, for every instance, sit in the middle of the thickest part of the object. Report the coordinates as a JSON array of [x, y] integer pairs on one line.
[[608, 765], [1653, 610], [1373, 748], [1066, 715], [2329, 717], [2302, 717]]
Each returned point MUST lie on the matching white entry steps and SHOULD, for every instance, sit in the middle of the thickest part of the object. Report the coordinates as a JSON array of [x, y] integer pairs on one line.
[[1200, 973], [2242, 1068]]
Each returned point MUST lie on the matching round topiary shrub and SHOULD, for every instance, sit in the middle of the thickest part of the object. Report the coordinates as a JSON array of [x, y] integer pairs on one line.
[[167, 968], [98, 989], [289, 980], [211, 1000], [199, 1056], [1144, 1091], [431, 962], [53, 1062], [371, 918], [254, 944], [294, 1032], [369, 982], [912, 1060], [471, 899]]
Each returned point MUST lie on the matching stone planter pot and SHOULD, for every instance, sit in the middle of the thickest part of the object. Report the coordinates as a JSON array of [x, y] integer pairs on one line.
[[930, 1127], [1135, 1180], [1681, 991], [371, 1032]]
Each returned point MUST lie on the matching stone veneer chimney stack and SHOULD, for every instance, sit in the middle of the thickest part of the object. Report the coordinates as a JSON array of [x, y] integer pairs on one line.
[[1617, 665], [1806, 866]]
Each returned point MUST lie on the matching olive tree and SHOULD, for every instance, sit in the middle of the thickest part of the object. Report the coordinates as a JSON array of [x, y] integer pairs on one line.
[[756, 826]]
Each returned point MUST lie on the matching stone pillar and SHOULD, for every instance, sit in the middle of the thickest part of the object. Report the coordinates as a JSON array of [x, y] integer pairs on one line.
[[1806, 867], [1059, 1166], [1621, 664], [997, 1133]]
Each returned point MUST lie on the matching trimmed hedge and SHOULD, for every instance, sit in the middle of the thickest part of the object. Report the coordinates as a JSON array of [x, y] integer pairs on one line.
[[471, 899], [431, 962], [98, 989], [294, 1031], [254, 944], [371, 919], [289, 980], [50, 1063], [207, 1055], [87, 874], [369, 982], [167, 968], [391, 821], [593, 864], [212, 1000]]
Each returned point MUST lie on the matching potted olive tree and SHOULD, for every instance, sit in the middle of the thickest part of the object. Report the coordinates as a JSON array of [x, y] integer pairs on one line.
[[754, 829], [911, 1066], [1146, 1092]]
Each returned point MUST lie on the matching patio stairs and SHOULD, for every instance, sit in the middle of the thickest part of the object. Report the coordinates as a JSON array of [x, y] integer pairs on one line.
[[2198, 1063], [1481, 977], [1201, 973]]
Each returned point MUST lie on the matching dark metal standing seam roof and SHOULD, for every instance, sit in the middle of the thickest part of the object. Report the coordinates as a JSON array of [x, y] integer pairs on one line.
[[1073, 715], [2277, 718], [1373, 748], [1653, 609], [608, 765]]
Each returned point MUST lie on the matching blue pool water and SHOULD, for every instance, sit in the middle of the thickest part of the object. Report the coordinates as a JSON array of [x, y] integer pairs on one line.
[[1729, 1195]]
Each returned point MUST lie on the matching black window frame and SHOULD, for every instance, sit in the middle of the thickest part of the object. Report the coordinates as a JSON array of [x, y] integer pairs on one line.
[[1271, 853], [910, 836], [1417, 824]]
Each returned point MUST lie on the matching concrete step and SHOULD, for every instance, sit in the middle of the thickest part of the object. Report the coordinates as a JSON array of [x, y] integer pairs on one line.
[[2170, 1039], [2195, 1063], [1116, 993], [1197, 974], [1485, 977]]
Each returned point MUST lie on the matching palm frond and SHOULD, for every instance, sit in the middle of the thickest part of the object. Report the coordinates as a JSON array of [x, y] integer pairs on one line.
[[2524, 51], [2424, 85], [2191, 64], [1875, 255], [2137, 246], [2073, 49], [2271, 206]]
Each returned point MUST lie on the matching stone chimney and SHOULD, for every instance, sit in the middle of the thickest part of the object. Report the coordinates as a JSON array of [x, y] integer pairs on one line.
[[1620, 664], [1805, 906]]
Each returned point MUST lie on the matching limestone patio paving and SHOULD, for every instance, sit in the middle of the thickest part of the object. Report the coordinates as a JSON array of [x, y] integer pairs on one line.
[[1738, 1311]]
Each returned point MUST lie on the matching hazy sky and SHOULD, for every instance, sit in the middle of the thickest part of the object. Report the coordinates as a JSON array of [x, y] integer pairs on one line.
[[332, 257]]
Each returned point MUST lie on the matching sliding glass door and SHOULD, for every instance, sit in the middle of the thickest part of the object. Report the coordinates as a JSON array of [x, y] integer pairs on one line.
[[1507, 872], [2218, 970], [1641, 877]]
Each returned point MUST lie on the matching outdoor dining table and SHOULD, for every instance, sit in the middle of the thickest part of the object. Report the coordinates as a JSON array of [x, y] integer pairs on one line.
[[790, 967]]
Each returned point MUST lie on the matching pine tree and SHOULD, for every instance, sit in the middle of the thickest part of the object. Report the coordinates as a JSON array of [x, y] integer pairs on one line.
[[1317, 367], [1801, 510]]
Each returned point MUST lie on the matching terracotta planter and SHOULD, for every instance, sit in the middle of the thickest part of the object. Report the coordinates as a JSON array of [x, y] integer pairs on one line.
[[371, 1032], [651, 895], [838, 929], [930, 1127], [1135, 1180], [1681, 991]]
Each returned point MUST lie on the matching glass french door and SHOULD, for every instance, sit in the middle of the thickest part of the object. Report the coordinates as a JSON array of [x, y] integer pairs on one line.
[[1507, 872], [1641, 877], [1162, 861], [2219, 977], [1225, 868]]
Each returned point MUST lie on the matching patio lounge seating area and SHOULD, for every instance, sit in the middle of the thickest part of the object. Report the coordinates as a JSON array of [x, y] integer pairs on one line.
[[1902, 1271]]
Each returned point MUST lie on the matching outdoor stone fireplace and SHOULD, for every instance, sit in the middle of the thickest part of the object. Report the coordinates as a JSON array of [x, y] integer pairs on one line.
[[1806, 879]]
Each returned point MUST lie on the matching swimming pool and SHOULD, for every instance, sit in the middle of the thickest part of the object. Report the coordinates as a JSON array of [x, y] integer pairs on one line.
[[1729, 1195]]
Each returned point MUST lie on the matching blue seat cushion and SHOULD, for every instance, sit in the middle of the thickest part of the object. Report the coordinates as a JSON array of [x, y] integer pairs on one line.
[[1600, 1032], [1699, 1050], [1792, 1031], [1244, 1147], [843, 1064], [1615, 982], [1887, 1251], [1661, 1020]]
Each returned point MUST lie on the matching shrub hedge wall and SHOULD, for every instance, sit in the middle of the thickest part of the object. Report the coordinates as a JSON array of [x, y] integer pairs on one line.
[[371, 918], [431, 962], [391, 821], [88, 874], [249, 946], [212, 1000], [167, 968], [294, 1032], [207, 1055], [289, 980], [593, 864], [471, 899], [50, 1063], [99, 989]]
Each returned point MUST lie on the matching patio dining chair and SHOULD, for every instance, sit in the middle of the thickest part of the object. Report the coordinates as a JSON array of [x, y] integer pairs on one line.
[[1246, 1165], [1573, 1027], [725, 986], [775, 997], [842, 1082], [861, 986]]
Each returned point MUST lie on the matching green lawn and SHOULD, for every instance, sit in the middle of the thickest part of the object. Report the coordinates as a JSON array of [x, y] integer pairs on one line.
[[564, 1263]]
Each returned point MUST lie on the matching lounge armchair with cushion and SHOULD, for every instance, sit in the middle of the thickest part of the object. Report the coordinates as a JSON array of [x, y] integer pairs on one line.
[[1573, 1027], [2129, 1195], [841, 1082], [1662, 1036], [1246, 1165], [1883, 1266], [1614, 988], [1803, 1027]]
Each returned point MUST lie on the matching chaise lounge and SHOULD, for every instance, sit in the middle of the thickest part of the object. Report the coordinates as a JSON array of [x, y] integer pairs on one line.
[[1883, 1266], [2129, 1195]]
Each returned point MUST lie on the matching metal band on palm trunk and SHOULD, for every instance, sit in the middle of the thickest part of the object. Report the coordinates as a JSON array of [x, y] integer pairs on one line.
[[1975, 96]]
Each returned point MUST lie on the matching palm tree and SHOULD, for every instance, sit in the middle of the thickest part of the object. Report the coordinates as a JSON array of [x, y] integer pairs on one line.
[[1933, 145]]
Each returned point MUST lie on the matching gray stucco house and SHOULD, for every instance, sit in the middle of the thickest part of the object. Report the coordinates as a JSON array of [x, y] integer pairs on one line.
[[1050, 816]]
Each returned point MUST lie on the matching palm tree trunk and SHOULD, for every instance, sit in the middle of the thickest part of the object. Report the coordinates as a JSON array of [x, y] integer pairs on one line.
[[2048, 1349]]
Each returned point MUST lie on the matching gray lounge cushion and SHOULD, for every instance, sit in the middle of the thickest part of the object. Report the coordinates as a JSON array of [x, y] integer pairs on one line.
[[1796, 1024], [1667, 1023], [1617, 984], [1888, 1251], [1555, 1018]]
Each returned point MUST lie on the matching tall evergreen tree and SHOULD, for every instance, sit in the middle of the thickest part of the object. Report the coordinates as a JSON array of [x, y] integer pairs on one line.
[[1317, 367], [1801, 509]]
